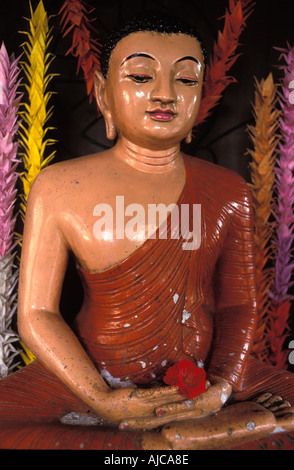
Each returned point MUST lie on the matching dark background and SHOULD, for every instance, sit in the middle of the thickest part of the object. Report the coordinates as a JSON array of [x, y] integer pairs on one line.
[[223, 139]]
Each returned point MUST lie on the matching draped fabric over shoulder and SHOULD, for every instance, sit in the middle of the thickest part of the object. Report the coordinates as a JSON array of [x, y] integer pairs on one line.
[[160, 305]]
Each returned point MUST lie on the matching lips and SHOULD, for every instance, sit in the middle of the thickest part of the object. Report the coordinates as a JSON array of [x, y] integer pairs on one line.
[[162, 115]]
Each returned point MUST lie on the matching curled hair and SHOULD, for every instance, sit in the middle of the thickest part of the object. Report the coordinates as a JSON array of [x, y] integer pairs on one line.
[[148, 21]]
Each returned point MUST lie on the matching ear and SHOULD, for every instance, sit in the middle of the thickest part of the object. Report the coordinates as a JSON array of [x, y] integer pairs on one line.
[[100, 91]]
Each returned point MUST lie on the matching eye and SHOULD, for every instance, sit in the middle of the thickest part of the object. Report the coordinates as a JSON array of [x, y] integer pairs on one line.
[[139, 78], [187, 81]]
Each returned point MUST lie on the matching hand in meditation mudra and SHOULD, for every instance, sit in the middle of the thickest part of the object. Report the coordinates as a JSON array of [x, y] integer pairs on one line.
[[149, 300]]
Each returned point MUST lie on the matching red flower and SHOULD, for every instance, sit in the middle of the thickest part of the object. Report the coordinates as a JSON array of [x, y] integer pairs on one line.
[[190, 379]]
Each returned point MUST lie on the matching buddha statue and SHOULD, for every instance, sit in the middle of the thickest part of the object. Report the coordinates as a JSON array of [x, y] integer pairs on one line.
[[152, 296]]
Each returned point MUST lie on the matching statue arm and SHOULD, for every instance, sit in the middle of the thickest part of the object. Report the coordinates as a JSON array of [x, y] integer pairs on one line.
[[235, 312], [41, 326]]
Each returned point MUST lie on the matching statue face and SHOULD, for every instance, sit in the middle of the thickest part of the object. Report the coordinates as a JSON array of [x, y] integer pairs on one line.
[[153, 87]]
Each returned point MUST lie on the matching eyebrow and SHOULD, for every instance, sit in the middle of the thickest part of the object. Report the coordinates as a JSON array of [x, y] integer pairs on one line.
[[189, 57], [137, 54], [142, 54]]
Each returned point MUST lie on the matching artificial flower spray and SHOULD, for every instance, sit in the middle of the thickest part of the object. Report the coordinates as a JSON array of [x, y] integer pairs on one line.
[[224, 56], [33, 134], [265, 138], [278, 326], [75, 19], [9, 105]]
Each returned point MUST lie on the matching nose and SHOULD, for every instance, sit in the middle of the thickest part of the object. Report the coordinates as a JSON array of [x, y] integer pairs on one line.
[[163, 90]]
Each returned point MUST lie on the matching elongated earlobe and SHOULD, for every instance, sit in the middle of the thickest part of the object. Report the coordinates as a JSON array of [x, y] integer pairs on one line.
[[99, 86], [188, 139], [111, 132]]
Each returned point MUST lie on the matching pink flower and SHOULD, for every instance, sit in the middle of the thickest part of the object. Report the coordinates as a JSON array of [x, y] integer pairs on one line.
[[9, 102], [190, 379]]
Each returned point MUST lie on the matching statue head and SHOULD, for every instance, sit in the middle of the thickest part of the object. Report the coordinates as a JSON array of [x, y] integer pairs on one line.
[[149, 86]]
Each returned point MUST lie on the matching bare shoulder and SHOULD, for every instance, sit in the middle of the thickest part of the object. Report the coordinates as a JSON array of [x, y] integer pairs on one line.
[[62, 179]]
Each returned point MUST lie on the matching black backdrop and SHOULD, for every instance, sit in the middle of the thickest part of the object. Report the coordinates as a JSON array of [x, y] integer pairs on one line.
[[223, 139]]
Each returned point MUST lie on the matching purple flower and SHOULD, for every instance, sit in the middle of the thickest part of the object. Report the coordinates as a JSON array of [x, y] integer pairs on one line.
[[284, 185]]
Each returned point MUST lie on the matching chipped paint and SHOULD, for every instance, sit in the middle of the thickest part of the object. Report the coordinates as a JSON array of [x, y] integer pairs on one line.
[[185, 316], [250, 426], [115, 382], [176, 298], [278, 429], [189, 403], [73, 418], [224, 397]]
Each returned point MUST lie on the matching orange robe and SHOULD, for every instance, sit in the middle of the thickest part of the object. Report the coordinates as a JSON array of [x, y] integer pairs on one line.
[[160, 305]]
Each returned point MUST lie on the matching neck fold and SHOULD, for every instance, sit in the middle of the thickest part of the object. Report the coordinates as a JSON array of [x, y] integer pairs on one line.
[[146, 160]]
